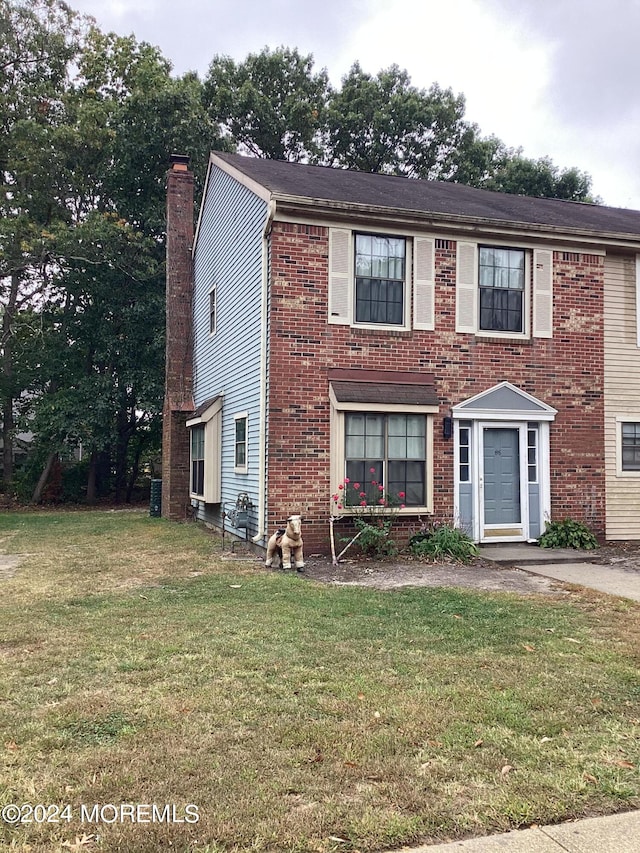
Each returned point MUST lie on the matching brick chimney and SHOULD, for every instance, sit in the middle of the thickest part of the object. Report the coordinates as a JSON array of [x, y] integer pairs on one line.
[[178, 392]]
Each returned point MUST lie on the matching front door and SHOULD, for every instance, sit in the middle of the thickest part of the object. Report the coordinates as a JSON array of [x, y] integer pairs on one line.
[[503, 493]]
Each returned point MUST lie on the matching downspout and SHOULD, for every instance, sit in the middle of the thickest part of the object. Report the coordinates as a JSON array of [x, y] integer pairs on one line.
[[262, 440]]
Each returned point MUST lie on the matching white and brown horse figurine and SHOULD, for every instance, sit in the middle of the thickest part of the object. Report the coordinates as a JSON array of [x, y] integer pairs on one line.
[[285, 542]]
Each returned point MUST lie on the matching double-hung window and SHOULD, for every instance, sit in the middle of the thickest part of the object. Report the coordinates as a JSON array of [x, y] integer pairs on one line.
[[240, 443], [501, 280], [197, 460], [380, 269]]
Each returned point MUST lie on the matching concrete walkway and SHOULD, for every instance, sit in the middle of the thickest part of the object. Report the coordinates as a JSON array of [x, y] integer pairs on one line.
[[614, 834], [564, 564]]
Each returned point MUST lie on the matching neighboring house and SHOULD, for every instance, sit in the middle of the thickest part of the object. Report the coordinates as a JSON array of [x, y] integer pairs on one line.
[[480, 352]]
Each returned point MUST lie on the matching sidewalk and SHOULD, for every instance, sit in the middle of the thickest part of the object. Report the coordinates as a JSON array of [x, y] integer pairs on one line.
[[618, 833], [568, 566]]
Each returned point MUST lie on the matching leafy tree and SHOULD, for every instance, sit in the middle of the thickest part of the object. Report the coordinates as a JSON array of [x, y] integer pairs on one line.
[[38, 41], [542, 178], [124, 115], [271, 105], [385, 124]]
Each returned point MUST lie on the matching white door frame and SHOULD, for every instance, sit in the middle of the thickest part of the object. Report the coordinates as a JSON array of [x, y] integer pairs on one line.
[[518, 531]]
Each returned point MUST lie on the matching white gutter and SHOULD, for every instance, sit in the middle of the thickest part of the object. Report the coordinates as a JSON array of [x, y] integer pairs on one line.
[[262, 439]]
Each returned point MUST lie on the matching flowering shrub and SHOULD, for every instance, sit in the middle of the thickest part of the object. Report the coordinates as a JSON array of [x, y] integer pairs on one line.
[[373, 510], [369, 499]]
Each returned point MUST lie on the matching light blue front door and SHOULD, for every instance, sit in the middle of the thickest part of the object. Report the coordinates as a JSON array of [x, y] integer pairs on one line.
[[501, 457]]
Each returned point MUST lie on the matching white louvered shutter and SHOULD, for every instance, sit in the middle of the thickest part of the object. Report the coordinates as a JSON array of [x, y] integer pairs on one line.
[[542, 293], [466, 287], [424, 283], [340, 276]]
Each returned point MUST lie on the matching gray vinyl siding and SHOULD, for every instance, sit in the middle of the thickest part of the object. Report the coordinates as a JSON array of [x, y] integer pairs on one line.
[[229, 257]]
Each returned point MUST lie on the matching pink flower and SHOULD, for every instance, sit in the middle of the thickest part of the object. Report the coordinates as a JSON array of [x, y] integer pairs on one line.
[[347, 480], [402, 506], [382, 501], [381, 487], [363, 503], [363, 494], [341, 486], [335, 498], [339, 506], [372, 470], [401, 495], [356, 485]]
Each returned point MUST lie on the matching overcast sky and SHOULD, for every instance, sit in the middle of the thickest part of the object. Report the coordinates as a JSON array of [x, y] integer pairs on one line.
[[556, 77]]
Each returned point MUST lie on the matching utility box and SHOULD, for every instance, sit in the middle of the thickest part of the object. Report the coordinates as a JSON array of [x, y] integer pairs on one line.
[[155, 505]]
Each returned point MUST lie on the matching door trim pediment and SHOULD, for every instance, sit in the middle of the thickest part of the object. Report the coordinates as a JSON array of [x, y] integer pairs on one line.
[[503, 402]]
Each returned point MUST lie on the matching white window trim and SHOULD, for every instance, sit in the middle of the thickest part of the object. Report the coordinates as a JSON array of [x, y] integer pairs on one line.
[[624, 419], [212, 421], [241, 469], [526, 297], [338, 410]]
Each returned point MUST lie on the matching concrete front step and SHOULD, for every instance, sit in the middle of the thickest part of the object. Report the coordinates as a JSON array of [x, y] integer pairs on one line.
[[525, 554]]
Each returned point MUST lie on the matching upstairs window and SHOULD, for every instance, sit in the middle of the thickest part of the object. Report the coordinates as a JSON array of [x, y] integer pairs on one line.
[[502, 288], [380, 264]]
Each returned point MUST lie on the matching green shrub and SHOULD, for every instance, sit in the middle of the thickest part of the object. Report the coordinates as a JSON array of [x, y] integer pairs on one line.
[[448, 542], [373, 537], [568, 534]]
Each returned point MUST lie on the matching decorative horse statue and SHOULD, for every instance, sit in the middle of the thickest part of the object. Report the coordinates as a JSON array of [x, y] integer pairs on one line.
[[286, 541]]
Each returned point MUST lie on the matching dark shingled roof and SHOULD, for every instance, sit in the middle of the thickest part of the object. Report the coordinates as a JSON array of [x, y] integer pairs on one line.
[[358, 385], [323, 183]]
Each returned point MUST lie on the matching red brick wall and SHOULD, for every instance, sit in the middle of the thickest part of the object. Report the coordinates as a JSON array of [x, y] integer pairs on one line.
[[565, 372]]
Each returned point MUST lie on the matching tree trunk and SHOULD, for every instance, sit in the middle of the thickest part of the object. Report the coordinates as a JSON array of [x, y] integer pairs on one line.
[[135, 470], [8, 425], [42, 482]]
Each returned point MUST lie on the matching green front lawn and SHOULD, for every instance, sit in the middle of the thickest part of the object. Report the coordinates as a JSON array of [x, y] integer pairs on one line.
[[140, 668]]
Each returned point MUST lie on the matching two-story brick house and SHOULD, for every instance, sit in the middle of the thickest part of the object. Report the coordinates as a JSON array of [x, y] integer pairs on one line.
[[477, 352]]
